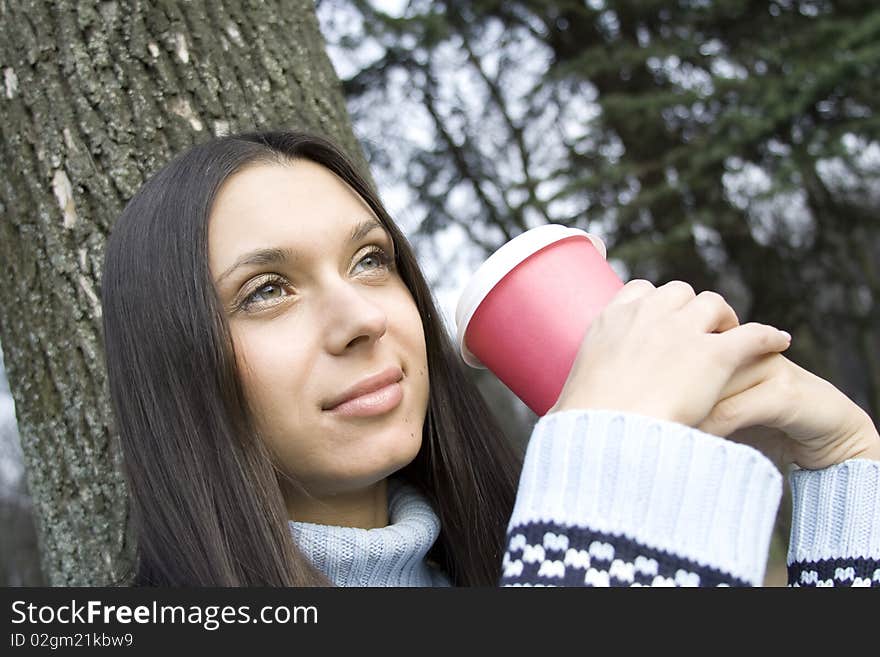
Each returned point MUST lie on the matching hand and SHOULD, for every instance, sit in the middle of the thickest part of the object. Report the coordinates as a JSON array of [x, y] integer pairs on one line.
[[800, 417], [663, 352]]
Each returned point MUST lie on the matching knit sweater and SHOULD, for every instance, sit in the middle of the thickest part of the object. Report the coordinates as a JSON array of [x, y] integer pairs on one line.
[[618, 499], [385, 556]]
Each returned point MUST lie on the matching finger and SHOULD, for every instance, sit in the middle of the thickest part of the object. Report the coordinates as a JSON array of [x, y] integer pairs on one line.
[[758, 405], [673, 295], [752, 372], [743, 343], [710, 313], [635, 289]]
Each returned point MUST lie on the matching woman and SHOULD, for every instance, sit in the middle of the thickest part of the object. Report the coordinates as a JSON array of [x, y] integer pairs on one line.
[[255, 286]]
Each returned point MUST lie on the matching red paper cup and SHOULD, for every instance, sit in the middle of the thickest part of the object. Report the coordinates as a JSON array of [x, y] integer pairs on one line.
[[525, 311]]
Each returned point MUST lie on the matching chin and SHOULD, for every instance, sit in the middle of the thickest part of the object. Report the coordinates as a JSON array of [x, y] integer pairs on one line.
[[365, 457], [397, 460], [403, 455]]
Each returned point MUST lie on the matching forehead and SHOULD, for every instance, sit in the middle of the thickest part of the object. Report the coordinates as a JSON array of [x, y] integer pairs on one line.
[[298, 204]]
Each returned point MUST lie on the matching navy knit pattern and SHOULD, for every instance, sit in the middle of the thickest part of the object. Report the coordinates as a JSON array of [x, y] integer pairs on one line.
[[855, 571], [549, 554]]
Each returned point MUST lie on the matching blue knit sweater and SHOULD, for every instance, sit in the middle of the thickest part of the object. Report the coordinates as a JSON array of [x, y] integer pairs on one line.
[[385, 556], [618, 499]]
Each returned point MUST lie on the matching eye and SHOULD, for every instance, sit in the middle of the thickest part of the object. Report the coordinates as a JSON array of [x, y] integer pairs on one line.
[[379, 256], [270, 291]]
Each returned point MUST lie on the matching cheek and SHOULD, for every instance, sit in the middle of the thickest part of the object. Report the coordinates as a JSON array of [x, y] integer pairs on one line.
[[413, 334], [271, 372]]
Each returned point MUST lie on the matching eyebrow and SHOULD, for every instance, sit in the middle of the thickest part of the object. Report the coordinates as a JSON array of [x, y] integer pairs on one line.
[[276, 255]]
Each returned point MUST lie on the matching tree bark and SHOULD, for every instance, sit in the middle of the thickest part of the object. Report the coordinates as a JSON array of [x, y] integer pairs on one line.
[[96, 96]]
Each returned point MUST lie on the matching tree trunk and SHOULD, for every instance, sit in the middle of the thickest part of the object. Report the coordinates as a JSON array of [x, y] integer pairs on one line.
[[96, 96]]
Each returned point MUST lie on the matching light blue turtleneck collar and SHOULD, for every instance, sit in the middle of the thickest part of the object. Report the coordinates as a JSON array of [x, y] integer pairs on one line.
[[385, 556]]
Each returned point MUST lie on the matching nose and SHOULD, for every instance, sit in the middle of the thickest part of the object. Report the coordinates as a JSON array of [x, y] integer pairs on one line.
[[353, 315]]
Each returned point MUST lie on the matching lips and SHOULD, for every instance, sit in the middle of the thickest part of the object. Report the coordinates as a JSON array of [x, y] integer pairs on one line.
[[370, 384]]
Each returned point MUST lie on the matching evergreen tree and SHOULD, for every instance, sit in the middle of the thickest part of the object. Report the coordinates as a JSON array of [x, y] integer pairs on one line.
[[729, 143]]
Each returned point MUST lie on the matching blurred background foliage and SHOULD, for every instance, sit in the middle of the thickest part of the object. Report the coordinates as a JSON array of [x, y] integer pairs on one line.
[[733, 144]]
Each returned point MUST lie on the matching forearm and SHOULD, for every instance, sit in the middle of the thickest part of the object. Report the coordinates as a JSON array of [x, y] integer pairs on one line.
[[835, 532], [610, 498]]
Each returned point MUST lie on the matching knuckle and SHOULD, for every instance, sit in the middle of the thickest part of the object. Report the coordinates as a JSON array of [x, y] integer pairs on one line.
[[763, 336], [718, 302], [682, 287], [639, 283], [632, 291], [758, 332], [713, 297]]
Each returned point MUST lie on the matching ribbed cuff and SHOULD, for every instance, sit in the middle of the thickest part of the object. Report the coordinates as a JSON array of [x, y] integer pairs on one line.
[[835, 512], [662, 484]]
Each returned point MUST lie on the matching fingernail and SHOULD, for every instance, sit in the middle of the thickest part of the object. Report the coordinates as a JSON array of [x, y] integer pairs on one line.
[[787, 335]]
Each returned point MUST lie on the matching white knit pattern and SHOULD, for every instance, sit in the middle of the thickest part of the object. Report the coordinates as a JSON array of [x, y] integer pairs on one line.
[[596, 566], [842, 577]]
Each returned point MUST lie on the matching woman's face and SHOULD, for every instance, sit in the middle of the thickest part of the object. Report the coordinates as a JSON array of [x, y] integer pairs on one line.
[[312, 313]]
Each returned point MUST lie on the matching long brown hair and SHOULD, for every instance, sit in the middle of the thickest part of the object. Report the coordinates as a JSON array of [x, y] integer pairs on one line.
[[205, 501]]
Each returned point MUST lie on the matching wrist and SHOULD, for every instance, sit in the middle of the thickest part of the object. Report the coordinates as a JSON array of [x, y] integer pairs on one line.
[[616, 405], [869, 440]]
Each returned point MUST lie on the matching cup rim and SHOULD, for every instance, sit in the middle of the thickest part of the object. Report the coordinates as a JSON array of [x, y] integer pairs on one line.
[[498, 265]]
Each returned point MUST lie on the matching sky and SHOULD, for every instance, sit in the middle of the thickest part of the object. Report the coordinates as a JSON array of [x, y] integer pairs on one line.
[[11, 469]]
